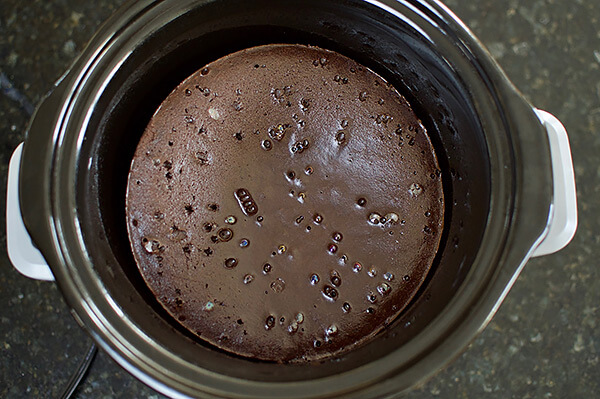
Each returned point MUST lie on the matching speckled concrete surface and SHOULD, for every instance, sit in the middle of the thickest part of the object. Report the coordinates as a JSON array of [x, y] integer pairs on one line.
[[543, 342]]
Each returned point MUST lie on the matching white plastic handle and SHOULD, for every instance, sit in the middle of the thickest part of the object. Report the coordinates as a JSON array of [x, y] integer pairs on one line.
[[562, 221], [23, 254]]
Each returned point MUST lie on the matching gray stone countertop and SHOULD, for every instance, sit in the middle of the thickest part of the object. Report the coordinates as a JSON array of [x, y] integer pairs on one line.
[[544, 342]]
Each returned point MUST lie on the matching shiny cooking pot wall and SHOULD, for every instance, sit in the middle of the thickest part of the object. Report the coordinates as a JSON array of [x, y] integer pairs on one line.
[[391, 47]]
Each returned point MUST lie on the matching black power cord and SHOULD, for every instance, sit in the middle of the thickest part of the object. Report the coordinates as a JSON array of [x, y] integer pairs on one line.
[[8, 90], [78, 375]]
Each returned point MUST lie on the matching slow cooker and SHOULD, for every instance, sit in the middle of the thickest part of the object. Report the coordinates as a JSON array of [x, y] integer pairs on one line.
[[506, 169]]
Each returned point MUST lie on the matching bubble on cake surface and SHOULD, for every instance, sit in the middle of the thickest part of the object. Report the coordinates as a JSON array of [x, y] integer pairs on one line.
[[305, 104], [214, 113], [357, 267], [176, 234], [270, 322], [246, 201], [331, 330], [383, 119], [230, 263], [267, 268], [299, 146], [374, 218], [388, 276], [278, 285], [371, 297], [293, 327], [392, 217], [415, 189], [384, 289], [277, 132], [314, 279], [152, 246], [335, 278], [225, 234], [330, 293], [248, 278], [290, 174], [277, 94], [266, 145]]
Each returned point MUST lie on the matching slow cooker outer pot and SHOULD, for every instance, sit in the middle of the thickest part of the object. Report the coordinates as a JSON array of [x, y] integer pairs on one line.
[[66, 157]]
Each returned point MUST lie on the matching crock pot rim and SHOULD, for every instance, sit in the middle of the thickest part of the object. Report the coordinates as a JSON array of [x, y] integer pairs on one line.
[[59, 255]]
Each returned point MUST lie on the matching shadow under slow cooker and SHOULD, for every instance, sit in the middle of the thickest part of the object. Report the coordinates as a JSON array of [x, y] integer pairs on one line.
[[392, 48]]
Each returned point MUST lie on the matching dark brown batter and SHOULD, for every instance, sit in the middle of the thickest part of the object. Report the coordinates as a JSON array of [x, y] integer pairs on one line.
[[284, 203]]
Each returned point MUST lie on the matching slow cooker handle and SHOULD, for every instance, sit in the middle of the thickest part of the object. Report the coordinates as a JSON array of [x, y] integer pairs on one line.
[[23, 254], [562, 220]]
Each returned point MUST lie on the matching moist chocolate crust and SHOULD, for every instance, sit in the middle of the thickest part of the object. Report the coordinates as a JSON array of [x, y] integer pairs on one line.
[[284, 203]]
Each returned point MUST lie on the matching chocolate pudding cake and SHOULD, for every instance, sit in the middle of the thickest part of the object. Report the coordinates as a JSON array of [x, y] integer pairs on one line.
[[284, 203]]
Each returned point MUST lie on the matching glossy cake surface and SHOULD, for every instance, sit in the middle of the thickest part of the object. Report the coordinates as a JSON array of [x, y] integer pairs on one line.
[[284, 203]]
